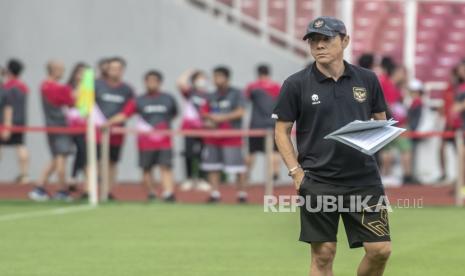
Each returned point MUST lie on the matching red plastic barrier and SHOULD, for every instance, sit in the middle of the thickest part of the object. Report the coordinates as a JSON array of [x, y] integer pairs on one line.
[[200, 133]]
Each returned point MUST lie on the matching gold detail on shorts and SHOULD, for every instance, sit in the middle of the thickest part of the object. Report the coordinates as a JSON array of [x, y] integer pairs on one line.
[[378, 227], [360, 94]]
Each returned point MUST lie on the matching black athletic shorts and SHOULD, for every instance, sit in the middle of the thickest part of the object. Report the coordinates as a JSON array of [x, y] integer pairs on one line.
[[150, 158], [360, 224], [115, 153], [16, 139], [257, 144]]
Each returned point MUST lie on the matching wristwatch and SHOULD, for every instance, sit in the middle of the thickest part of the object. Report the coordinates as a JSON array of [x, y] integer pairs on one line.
[[293, 170]]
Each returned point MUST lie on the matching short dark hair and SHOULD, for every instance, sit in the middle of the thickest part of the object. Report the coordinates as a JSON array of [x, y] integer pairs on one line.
[[263, 70], [15, 67], [223, 70], [117, 59], [195, 75], [154, 73], [388, 65], [102, 61], [366, 60]]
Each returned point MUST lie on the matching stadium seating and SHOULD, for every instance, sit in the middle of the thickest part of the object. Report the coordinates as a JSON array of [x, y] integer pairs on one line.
[[439, 37]]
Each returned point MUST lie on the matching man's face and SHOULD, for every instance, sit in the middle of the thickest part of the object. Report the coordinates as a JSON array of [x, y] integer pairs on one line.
[[115, 70], [220, 80], [152, 83], [58, 69], [326, 49], [461, 70]]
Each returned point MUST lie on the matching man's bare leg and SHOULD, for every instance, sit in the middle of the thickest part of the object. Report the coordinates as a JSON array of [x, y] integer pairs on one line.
[[112, 176], [147, 180], [214, 177], [241, 183], [46, 173], [323, 254], [406, 159], [60, 161], [249, 162], [375, 259], [39, 193], [23, 160], [387, 159], [167, 181], [276, 165]]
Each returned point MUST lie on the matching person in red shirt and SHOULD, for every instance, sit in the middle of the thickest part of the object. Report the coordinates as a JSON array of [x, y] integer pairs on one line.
[[453, 120], [155, 111], [193, 87], [393, 80], [112, 93], [55, 98], [224, 111], [18, 93], [263, 94]]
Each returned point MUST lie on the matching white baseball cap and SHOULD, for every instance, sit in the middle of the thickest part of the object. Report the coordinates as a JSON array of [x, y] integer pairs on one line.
[[415, 85]]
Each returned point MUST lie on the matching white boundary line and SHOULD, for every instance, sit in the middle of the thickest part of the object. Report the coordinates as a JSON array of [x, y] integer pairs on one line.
[[44, 213]]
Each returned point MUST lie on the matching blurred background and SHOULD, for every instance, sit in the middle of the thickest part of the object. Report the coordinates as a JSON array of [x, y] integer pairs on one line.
[[416, 47], [404, 40]]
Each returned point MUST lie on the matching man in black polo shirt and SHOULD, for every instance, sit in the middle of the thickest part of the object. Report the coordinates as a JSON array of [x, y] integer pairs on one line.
[[320, 99]]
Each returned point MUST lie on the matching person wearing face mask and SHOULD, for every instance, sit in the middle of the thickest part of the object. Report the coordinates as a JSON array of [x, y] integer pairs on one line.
[[193, 86]]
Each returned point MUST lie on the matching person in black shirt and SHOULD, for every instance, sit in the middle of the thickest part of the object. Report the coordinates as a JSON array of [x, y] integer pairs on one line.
[[18, 92], [320, 99]]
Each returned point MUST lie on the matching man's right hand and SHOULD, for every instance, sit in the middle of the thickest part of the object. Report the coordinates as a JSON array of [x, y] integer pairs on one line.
[[298, 177]]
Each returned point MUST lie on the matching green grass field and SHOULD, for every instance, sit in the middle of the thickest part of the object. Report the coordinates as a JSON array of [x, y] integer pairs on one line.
[[160, 239]]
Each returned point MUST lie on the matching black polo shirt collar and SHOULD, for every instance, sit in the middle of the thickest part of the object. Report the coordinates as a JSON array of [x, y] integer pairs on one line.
[[320, 77]]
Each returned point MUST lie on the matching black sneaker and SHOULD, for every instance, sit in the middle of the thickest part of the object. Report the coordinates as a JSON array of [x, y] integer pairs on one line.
[[62, 195], [111, 197], [151, 197], [410, 180], [212, 199], [170, 198], [72, 189], [242, 200]]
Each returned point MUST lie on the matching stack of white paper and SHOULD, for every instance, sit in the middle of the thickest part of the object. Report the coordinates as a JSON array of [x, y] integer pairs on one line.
[[367, 136]]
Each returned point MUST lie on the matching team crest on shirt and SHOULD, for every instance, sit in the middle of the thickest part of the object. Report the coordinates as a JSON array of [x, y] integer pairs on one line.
[[360, 94], [318, 24]]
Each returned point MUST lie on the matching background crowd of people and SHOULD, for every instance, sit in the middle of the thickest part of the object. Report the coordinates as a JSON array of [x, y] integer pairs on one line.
[[204, 106], [406, 97]]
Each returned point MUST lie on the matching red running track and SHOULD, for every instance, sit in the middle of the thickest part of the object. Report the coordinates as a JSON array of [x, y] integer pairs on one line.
[[427, 195]]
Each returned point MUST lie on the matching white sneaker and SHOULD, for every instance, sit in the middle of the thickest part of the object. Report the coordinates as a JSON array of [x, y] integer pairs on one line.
[[38, 194], [187, 185], [203, 185]]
